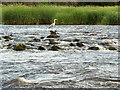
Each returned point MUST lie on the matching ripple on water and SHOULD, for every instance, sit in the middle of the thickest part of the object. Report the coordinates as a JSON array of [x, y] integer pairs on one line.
[[72, 67]]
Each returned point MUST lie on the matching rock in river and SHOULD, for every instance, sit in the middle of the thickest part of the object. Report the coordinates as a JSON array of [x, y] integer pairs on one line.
[[7, 37], [30, 44], [72, 44], [53, 32], [41, 48], [53, 36], [36, 40], [79, 44], [76, 40], [42, 37], [19, 47], [112, 48], [55, 48], [51, 41], [93, 48]]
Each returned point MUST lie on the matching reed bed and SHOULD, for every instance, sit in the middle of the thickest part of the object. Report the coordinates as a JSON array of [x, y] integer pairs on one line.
[[44, 14]]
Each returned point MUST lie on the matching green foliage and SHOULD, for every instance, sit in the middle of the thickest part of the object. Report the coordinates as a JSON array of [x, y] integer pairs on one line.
[[44, 14]]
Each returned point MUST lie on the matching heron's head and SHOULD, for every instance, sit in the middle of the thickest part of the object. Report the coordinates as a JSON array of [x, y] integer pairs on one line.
[[55, 19]]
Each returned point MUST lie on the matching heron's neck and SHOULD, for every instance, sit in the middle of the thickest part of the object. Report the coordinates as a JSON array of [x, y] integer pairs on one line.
[[54, 21]]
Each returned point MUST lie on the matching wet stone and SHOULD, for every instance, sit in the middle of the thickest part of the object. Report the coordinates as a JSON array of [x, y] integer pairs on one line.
[[19, 47], [55, 48], [7, 37], [9, 44], [7, 40], [53, 32], [71, 44], [41, 48], [79, 44], [36, 40], [53, 36], [93, 48], [51, 41], [76, 40], [105, 44], [42, 37], [112, 48]]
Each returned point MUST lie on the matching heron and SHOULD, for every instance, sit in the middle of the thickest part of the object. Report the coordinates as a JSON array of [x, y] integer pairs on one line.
[[53, 24]]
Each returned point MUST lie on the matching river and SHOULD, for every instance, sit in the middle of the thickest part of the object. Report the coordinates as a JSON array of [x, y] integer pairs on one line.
[[72, 67]]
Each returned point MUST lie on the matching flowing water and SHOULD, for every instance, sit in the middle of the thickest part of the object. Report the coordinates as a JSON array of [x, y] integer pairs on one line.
[[72, 67]]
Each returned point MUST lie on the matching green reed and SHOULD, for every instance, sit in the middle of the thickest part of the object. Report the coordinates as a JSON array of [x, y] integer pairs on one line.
[[44, 14]]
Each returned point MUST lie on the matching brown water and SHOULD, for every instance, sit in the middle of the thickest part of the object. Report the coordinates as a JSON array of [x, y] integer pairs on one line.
[[74, 67]]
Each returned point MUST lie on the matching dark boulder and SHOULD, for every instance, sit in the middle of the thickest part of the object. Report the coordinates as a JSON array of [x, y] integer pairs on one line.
[[41, 48], [71, 44], [11, 34], [112, 48], [55, 48], [51, 41], [42, 37], [76, 40], [79, 44], [53, 36], [36, 40], [93, 48], [9, 46], [19, 47], [105, 44], [53, 32], [7, 37]]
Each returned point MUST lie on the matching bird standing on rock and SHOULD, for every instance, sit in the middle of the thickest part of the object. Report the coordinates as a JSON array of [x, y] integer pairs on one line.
[[53, 24], [53, 32]]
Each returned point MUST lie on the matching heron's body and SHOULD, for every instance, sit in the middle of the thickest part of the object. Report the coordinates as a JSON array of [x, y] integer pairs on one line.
[[53, 24]]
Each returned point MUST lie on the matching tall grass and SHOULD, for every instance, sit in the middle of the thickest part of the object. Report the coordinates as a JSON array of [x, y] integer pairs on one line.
[[44, 14]]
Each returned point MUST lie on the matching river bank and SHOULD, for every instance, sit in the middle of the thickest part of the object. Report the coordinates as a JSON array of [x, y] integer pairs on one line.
[[65, 15]]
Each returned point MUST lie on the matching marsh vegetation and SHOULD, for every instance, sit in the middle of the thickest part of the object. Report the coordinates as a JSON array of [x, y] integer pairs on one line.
[[44, 14]]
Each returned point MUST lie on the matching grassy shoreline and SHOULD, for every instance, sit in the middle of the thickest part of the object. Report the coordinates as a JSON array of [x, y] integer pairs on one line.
[[44, 14]]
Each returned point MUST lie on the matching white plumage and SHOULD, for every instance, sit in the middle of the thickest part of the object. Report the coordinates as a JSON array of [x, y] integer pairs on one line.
[[53, 24]]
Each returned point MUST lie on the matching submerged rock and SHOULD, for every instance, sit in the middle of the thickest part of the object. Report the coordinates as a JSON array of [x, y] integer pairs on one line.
[[19, 47], [9, 46], [76, 40], [30, 44], [93, 48], [51, 41], [36, 40], [30, 47], [41, 48], [104, 43], [53, 36], [53, 32], [67, 40], [112, 48], [42, 37], [55, 48], [79, 44], [71, 44], [11, 34], [7, 37]]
